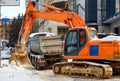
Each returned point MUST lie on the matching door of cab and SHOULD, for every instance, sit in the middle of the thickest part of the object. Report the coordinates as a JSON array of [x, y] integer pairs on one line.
[[76, 39]]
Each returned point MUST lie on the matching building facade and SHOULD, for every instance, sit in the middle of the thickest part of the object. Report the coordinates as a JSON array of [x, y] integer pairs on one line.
[[77, 6], [112, 21], [51, 26], [104, 15], [4, 30]]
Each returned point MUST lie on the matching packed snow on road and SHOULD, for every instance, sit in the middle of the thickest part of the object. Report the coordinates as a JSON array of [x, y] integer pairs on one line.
[[10, 72], [14, 73]]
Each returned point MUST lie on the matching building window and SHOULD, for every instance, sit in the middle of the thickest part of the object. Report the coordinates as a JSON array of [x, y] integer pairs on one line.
[[117, 6], [77, 9], [37, 5], [103, 9], [49, 30], [37, 0], [62, 31]]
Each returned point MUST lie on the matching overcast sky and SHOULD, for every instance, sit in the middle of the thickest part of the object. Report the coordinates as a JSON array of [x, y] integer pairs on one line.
[[13, 11]]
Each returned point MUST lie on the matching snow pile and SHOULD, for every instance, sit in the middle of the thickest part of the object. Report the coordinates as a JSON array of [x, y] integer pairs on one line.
[[42, 34], [5, 54], [14, 73], [111, 38], [108, 38]]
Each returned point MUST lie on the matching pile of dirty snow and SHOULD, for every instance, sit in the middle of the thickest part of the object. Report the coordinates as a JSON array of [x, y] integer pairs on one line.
[[111, 38], [108, 38], [10, 72]]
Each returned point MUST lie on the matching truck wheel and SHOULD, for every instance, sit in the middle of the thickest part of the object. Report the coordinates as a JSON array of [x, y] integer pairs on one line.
[[37, 65], [30, 57], [32, 60]]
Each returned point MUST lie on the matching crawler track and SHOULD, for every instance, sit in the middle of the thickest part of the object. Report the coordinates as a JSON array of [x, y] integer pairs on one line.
[[83, 69]]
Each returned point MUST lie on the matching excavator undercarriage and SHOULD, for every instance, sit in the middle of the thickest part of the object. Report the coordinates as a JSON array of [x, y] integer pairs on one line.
[[84, 68]]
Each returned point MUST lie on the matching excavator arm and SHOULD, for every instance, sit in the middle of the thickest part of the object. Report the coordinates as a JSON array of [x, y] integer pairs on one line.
[[52, 13], [55, 14]]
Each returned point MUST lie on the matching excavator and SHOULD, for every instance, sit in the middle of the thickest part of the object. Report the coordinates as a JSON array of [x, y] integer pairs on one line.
[[52, 13], [85, 57]]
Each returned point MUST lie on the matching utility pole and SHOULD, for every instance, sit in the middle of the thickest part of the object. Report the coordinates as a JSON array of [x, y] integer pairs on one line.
[[5, 30], [100, 4], [99, 20], [0, 12], [0, 56]]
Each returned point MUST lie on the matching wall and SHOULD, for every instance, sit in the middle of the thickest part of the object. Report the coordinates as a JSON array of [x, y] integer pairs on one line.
[[47, 25]]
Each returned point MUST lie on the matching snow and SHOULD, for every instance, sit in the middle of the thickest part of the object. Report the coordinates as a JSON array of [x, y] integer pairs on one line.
[[10, 72], [5, 53], [111, 38], [42, 33], [108, 38]]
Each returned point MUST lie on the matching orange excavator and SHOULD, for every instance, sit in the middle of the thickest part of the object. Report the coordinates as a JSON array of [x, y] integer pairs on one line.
[[85, 56], [31, 14]]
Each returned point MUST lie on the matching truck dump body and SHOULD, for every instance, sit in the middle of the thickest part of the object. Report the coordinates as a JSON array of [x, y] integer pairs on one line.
[[46, 45]]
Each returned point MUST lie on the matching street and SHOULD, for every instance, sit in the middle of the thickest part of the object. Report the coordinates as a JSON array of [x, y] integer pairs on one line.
[[47, 75], [14, 73]]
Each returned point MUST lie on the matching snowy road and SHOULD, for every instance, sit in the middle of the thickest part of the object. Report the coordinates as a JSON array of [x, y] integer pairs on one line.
[[47, 75], [13, 73]]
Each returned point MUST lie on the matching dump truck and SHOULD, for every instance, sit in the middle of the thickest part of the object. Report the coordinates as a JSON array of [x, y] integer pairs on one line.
[[44, 49]]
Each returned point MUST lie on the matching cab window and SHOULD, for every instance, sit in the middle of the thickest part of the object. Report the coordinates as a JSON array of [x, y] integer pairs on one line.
[[71, 42]]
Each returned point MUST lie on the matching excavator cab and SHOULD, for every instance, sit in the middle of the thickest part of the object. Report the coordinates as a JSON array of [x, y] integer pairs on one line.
[[76, 39]]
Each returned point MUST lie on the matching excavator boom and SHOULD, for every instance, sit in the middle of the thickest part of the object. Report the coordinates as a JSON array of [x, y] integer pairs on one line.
[[56, 14]]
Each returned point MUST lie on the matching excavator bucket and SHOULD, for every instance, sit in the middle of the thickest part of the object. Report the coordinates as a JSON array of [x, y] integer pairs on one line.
[[20, 57]]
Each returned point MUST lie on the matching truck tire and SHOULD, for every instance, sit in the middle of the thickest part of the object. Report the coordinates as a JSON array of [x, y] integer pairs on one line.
[[32, 60], [37, 65]]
